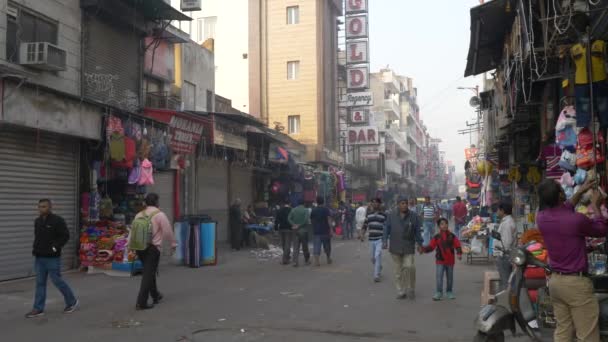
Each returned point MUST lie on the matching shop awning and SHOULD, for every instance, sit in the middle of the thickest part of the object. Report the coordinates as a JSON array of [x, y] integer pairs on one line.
[[159, 10], [490, 23]]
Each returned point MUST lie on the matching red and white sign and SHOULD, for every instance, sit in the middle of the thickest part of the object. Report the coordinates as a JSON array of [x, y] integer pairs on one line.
[[184, 132], [358, 116], [357, 52], [357, 77], [369, 152], [356, 27], [364, 135], [356, 6]]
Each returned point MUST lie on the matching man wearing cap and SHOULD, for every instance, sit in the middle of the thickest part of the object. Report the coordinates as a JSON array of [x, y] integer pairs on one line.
[[402, 233]]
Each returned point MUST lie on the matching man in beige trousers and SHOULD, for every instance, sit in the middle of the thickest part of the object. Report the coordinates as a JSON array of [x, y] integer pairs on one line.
[[402, 236]]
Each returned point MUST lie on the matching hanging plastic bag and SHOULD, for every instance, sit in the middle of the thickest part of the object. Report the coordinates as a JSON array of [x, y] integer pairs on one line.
[[476, 246]]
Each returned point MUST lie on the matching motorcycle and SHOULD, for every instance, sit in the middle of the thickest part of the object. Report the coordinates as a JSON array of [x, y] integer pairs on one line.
[[514, 307]]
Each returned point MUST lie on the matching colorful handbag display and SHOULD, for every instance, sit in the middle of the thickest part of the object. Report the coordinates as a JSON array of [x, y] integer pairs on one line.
[[585, 156]]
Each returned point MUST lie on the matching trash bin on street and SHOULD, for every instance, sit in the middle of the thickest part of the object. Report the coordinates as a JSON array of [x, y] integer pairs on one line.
[[208, 233]]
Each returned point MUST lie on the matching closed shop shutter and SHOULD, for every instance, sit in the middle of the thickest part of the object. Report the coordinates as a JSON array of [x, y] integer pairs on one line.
[[164, 187], [241, 185], [212, 193], [34, 166], [111, 70]]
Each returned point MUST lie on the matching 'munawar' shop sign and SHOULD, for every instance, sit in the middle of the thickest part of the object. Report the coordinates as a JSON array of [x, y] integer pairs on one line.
[[185, 132]]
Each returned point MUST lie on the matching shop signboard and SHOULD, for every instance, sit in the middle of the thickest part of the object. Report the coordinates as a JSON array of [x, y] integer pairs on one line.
[[363, 135], [356, 6], [357, 77], [359, 197], [229, 134], [333, 156], [371, 152], [191, 5], [185, 132], [364, 98], [358, 116], [356, 26], [357, 52]]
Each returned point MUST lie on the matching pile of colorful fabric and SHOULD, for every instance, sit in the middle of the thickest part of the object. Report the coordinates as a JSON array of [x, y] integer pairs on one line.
[[103, 243]]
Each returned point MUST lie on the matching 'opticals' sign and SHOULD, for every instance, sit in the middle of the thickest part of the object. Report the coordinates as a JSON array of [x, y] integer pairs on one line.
[[356, 6], [356, 27], [357, 52], [365, 135], [191, 5], [357, 77], [357, 99], [358, 116]]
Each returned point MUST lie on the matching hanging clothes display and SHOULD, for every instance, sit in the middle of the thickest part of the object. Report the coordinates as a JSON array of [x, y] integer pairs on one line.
[[582, 89]]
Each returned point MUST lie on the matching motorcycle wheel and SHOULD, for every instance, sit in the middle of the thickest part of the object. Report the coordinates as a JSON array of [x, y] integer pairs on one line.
[[481, 337]]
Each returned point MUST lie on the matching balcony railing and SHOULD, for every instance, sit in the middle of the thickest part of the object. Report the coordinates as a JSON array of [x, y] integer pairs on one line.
[[163, 100], [392, 107]]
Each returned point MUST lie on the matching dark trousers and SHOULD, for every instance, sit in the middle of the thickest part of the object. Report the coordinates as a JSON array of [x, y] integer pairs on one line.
[[324, 241], [300, 239], [150, 257], [236, 233], [286, 241]]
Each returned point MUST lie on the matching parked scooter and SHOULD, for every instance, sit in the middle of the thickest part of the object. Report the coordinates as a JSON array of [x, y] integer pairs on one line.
[[513, 306]]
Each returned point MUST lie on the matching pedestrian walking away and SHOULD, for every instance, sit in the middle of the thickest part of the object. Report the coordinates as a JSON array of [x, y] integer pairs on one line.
[[430, 215], [564, 232], [148, 231], [236, 225], [360, 216], [508, 232], [460, 215], [374, 224], [299, 218], [285, 230], [321, 223], [402, 236], [50, 235], [445, 243]]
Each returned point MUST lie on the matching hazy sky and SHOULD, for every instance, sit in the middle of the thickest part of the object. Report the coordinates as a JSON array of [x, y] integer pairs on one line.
[[429, 41]]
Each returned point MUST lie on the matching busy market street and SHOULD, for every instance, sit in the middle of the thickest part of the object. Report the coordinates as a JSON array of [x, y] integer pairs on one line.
[[251, 298]]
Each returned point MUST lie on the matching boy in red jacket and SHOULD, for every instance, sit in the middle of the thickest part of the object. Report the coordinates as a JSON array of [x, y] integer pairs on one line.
[[445, 243]]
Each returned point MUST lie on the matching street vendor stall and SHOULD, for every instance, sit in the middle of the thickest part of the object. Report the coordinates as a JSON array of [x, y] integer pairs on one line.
[[476, 240]]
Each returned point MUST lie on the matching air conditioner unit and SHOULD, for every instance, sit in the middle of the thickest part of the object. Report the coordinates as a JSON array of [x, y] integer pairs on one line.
[[43, 56]]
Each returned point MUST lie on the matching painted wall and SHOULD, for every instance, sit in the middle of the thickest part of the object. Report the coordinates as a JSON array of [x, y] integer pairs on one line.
[[197, 67], [159, 59], [68, 15]]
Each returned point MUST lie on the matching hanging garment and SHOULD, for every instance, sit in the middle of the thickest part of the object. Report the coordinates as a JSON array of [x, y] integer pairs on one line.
[[130, 155], [585, 156], [114, 125], [146, 177], [583, 104], [135, 173], [550, 156], [566, 138], [117, 147], [578, 53], [160, 155]]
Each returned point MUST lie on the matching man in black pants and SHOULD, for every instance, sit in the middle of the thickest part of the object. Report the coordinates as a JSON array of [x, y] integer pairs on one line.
[[150, 257]]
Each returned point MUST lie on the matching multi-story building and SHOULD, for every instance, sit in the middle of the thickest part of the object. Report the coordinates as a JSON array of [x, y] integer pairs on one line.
[[278, 61], [386, 87]]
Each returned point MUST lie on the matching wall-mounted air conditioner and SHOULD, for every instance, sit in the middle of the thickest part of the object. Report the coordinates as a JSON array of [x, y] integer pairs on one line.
[[43, 56]]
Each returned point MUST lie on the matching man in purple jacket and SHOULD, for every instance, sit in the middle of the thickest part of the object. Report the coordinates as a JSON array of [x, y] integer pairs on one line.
[[564, 231]]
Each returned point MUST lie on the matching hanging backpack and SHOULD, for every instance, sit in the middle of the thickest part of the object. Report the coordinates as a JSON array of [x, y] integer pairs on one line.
[[141, 232], [585, 156]]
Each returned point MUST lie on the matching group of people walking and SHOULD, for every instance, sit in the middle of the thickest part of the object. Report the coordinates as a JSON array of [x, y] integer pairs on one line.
[[51, 234]]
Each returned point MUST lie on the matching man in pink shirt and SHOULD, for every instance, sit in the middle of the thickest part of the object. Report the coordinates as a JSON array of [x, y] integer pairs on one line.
[[150, 257]]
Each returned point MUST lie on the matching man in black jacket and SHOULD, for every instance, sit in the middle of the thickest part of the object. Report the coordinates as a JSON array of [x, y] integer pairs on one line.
[[51, 234], [285, 230]]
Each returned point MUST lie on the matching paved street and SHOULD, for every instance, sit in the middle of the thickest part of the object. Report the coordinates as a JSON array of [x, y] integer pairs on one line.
[[245, 299]]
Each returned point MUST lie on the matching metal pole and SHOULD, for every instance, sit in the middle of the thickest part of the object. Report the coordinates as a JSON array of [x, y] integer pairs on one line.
[[591, 99]]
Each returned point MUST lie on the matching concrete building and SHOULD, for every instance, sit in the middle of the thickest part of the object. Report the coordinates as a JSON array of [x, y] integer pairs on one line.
[[278, 61]]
